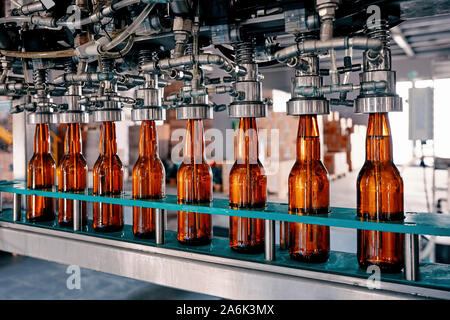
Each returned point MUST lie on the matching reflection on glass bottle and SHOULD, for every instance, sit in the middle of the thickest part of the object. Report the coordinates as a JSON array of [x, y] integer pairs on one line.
[[194, 184], [41, 175], [71, 174], [308, 195], [248, 189], [148, 180], [380, 198], [108, 181]]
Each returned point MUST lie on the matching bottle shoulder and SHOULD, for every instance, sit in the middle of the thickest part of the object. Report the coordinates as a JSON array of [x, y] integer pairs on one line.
[[387, 171]]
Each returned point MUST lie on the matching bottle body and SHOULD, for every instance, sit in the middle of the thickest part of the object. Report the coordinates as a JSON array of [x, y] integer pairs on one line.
[[248, 189], [148, 180], [194, 186], [72, 174], [308, 195], [108, 181], [380, 198], [41, 175]]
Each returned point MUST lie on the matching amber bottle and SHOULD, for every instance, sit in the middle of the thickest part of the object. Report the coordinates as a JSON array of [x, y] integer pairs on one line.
[[194, 184], [108, 181], [41, 175], [71, 174], [309, 194], [148, 180], [380, 198], [248, 189]]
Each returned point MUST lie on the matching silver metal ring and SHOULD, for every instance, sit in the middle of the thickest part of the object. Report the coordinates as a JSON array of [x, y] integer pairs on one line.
[[152, 113], [107, 115], [194, 111], [302, 106], [247, 110], [374, 104], [73, 117], [42, 117]]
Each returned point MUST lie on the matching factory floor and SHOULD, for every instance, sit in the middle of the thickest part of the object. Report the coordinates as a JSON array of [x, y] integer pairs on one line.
[[28, 278]]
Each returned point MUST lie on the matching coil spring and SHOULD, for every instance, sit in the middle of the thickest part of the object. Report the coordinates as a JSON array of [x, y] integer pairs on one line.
[[244, 52], [145, 56], [40, 76], [107, 64], [380, 31], [69, 66], [189, 49]]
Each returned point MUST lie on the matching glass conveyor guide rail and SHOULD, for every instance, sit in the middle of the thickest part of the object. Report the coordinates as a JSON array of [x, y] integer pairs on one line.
[[433, 276], [414, 223]]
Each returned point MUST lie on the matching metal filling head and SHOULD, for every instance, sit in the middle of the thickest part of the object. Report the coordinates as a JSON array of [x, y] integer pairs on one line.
[[44, 114], [307, 106], [194, 112], [73, 116], [247, 109], [378, 103], [102, 115], [148, 113]]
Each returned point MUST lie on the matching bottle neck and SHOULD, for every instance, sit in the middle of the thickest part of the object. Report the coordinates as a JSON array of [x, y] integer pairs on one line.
[[73, 142], [247, 141], [108, 144], [41, 139], [379, 140], [194, 142], [148, 140], [308, 139]]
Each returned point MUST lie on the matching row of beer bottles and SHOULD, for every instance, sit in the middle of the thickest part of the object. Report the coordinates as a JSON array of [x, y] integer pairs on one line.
[[380, 188]]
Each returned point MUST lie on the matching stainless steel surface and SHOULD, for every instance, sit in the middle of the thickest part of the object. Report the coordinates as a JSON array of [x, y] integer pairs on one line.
[[412, 257], [199, 111], [302, 106], [222, 277], [42, 117], [247, 110], [107, 115], [374, 104], [160, 226], [77, 215], [284, 235], [269, 240], [17, 206], [140, 114], [73, 117]]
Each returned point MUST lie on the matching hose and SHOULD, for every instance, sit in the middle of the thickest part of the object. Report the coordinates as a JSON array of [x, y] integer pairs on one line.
[[120, 53], [130, 29], [39, 55]]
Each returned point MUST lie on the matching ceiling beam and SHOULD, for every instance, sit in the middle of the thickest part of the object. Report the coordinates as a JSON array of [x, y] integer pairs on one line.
[[401, 41]]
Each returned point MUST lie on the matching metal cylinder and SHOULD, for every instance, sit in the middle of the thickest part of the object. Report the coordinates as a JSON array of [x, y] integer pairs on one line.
[[160, 226], [1, 202], [17, 206], [269, 240], [284, 235], [412, 257], [77, 215]]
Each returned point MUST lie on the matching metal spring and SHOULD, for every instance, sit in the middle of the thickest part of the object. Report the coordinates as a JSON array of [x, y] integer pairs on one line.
[[244, 52], [189, 49], [69, 66], [381, 32], [107, 64], [40, 76]]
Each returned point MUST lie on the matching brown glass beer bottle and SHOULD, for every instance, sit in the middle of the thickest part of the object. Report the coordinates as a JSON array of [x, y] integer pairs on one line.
[[308, 195], [248, 189], [71, 174], [194, 186], [380, 198], [108, 181], [148, 180], [41, 175]]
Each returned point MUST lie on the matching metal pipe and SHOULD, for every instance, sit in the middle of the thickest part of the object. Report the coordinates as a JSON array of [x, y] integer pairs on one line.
[[341, 43], [39, 55], [269, 240], [17, 206], [412, 257], [159, 226], [77, 215]]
